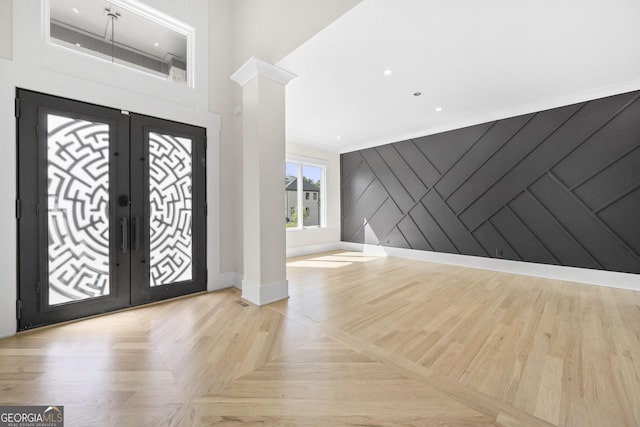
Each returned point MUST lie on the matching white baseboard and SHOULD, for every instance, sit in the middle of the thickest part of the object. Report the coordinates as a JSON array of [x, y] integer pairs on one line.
[[588, 276], [230, 279], [265, 294], [312, 249]]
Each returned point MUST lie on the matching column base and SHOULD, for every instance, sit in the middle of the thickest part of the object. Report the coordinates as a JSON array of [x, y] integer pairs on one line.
[[258, 294]]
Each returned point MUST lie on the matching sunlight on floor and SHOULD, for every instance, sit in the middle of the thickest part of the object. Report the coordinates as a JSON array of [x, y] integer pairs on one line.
[[317, 264], [337, 260]]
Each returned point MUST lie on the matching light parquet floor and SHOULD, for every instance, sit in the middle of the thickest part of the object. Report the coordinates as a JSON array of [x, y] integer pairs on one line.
[[363, 340]]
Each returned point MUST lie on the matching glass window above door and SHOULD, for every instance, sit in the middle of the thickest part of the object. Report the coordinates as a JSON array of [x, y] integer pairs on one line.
[[126, 33]]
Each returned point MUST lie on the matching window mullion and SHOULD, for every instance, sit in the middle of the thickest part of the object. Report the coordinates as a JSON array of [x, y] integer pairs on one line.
[[300, 197], [323, 197]]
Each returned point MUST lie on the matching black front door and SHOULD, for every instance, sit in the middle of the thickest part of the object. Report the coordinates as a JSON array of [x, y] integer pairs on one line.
[[111, 209]]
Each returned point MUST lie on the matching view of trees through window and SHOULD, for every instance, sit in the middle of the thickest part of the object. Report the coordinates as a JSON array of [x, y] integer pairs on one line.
[[303, 194]]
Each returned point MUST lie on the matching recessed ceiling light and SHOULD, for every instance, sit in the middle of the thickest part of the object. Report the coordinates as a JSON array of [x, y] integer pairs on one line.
[[417, 93], [438, 109], [338, 137], [156, 44], [75, 10], [387, 72]]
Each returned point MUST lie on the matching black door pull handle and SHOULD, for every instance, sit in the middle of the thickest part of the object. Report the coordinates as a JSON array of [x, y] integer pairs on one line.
[[136, 233], [125, 234]]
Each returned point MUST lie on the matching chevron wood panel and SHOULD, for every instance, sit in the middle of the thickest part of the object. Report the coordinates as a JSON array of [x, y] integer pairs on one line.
[[560, 186]]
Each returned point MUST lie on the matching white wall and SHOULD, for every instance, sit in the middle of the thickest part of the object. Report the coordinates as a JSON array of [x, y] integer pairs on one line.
[[268, 30], [8, 258], [49, 69], [300, 242], [271, 29], [221, 102], [5, 29]]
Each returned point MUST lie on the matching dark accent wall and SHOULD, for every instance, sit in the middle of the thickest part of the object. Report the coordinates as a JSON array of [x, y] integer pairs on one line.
[[560, 186]]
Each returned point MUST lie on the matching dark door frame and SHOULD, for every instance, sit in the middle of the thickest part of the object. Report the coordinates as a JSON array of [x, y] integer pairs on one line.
[[141, 126], [128, 284]]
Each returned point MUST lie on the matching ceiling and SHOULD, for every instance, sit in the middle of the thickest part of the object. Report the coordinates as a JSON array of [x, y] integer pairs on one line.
[[130, 30], [477, 61]]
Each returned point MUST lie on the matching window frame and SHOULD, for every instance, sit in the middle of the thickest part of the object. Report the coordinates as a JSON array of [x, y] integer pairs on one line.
[[301, 161], [144, 11]]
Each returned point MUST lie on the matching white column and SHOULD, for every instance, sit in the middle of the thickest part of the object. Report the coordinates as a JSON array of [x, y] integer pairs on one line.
[[263, 147]]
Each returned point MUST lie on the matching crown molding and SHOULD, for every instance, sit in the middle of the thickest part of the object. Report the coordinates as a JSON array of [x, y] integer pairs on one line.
[[257, 67]]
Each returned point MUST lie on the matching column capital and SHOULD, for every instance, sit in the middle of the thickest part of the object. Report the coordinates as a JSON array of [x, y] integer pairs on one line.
[[257, 67]]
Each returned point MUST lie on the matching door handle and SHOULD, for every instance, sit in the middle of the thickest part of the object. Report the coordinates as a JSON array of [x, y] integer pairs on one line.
[[136, 233], [125, 233]]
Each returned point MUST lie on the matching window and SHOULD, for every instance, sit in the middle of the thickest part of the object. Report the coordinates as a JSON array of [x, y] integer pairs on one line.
[[126, 33], [305, 177]]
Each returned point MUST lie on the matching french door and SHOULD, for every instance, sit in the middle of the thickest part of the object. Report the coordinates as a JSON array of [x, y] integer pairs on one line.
[[111, 209]]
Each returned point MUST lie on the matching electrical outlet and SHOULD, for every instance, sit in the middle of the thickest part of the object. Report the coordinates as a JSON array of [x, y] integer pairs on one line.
[[498, 253]]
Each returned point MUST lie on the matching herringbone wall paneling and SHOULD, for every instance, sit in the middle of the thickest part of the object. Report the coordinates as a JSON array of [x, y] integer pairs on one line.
[[560, 186]]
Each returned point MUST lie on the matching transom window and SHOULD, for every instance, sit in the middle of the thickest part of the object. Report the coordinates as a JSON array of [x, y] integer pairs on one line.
[[124, 32]]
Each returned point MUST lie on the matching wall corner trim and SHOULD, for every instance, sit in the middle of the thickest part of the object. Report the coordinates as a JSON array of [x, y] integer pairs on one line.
[[256, 67]]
